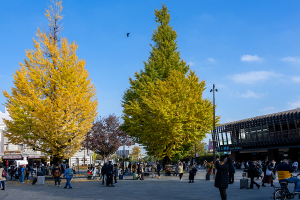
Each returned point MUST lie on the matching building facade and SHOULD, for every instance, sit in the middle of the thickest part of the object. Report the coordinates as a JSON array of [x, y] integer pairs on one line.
[[275, 136], [11, 152]]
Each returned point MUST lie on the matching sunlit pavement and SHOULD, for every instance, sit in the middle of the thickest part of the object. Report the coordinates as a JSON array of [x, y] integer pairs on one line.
[[167, 187]]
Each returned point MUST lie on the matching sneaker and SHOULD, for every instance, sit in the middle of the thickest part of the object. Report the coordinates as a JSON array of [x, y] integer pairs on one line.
[[70, 187], [263, 186], [159, 177], [65, 187], [112, 186], [297, 192], [58, 185]]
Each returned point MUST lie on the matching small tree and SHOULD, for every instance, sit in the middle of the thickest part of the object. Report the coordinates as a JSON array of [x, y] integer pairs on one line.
[[136, 152], [105, 136]]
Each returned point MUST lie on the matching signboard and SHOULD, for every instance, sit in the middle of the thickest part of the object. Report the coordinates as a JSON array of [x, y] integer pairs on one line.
[[210, 145], [13, 152]]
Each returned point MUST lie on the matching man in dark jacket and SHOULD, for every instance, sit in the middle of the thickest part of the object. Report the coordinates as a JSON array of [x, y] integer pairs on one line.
[[222, 176], [252, 171], [103, 171], [158, 168], [109, 173]]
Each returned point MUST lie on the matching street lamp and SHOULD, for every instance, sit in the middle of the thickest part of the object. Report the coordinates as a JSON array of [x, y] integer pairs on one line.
[[214, 131]]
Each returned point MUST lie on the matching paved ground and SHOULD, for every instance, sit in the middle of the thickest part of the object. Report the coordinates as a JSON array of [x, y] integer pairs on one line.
[[151, 188]]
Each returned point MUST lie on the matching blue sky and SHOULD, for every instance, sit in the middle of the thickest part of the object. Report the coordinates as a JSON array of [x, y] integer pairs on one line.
[[249, 49]]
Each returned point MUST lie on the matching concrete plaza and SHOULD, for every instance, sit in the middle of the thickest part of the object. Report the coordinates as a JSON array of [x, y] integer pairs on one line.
[[168, 187]]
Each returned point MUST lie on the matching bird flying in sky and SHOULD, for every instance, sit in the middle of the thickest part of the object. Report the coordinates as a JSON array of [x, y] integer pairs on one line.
[[127, 34]]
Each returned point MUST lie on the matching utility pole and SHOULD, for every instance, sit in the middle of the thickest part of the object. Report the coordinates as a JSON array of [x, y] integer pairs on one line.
[[214, 131]]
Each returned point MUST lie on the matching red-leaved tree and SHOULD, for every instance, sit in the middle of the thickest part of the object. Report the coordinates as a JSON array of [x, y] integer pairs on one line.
[[105, 136]]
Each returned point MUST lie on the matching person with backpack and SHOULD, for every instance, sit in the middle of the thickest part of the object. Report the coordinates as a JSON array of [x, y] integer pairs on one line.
[[69, 175], [192, 172], [3, 175], [56, 173]]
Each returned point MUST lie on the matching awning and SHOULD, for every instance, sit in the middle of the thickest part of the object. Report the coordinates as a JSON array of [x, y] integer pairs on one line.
[[12, 157], [34, 157]]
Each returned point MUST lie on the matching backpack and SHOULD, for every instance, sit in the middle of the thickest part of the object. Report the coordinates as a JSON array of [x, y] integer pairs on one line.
[[56, 173], [70, 172], [4, 173]]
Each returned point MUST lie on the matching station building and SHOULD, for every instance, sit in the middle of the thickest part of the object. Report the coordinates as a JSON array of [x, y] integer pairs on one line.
[[274, 136]]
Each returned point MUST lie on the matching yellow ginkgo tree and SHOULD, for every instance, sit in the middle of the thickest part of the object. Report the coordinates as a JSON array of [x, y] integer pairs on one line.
[[52, 104], [171, 115]]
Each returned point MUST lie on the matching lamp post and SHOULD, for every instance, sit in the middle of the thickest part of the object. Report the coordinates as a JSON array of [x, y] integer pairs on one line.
[[214, 131]]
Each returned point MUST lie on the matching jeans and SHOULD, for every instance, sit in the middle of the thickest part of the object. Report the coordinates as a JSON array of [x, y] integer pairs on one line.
[[57, 180], [68, 183], [3, 184], [293, 180], [22, 177]]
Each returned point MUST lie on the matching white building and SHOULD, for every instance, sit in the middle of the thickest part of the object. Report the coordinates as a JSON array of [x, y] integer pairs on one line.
[[11, 152]]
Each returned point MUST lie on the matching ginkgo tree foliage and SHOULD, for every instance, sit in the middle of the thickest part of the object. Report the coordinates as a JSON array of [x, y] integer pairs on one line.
[[164, 109], [52, 104]]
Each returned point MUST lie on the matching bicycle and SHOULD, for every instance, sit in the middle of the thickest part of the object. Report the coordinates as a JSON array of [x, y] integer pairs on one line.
[[283, 192]]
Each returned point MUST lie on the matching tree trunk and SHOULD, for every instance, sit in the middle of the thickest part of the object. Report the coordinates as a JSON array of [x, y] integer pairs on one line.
[[56, 160], [166, 161]]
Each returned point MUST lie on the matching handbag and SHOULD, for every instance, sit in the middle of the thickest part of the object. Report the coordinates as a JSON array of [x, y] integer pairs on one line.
[[274, 177]]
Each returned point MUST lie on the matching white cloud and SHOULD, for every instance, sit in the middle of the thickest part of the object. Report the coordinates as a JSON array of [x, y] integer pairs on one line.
[[291, 59], [249, 58], [191, 63], [211, 60], [295, 104], [268, 110], [251, 94], [296, 79], [254, 76]]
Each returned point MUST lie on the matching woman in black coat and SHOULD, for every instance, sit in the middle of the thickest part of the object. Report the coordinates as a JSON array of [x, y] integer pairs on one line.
[[222, 176]]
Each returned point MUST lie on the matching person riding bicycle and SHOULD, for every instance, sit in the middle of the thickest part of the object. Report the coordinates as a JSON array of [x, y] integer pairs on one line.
[[284, 174]]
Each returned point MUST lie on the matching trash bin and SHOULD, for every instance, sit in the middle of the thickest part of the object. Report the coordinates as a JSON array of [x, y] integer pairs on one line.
[[41, 180]]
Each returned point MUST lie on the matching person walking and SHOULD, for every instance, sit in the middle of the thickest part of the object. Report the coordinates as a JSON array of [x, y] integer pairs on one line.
[[2, 178], [268, 175], [27, 171], [104, 173], [153, 168], [69, 175], [116, 172], [109, 174], [74, 168], [22, 168], [12, 172], [192, 172], [129, 168], [180, 171], [56, 174], [158, 168], [231, 174], [94, 172], [40, 172], [222, 176], [252, 171]]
